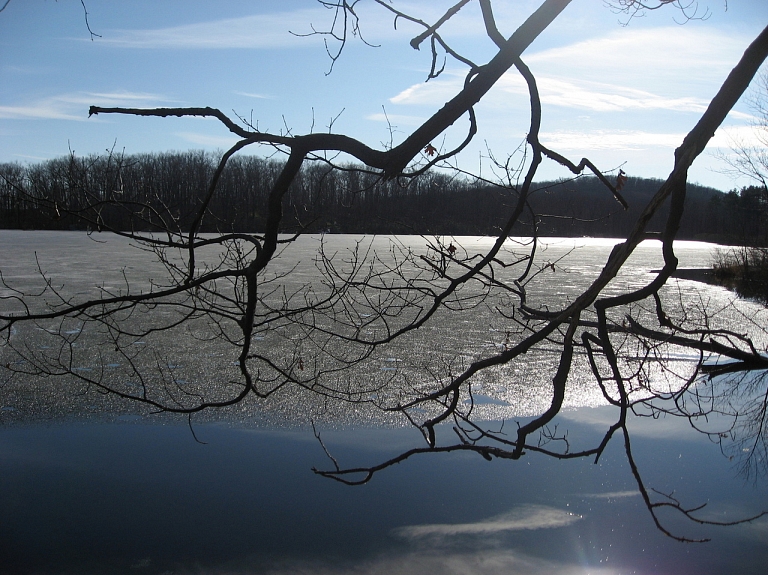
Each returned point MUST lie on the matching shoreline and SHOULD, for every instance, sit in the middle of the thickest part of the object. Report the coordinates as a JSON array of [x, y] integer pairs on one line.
[[702, 275]]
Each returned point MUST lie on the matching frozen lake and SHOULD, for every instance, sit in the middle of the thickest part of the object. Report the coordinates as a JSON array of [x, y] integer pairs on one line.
[[84, 267], [90, 484]]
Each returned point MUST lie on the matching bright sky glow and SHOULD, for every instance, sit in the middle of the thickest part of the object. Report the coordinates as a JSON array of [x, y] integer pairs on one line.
[[620, 95]]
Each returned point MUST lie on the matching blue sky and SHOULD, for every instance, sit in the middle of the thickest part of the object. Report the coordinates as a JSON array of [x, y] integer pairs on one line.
[[618, 94]]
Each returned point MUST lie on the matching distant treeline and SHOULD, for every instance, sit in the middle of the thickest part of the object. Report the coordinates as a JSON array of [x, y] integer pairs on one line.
[[149, 192]]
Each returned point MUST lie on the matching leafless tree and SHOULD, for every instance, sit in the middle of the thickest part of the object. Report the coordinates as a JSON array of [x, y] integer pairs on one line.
[[225, 293], [747, 265], [751, 159]]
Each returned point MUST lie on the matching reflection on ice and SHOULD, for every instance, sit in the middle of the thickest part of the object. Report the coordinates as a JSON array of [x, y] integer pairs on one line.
[[525, 518], [612, 494], [482, 562], [757, 530], [246, 502]]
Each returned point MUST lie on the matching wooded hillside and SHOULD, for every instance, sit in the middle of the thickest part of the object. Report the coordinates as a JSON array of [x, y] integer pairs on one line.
[[142, 192]]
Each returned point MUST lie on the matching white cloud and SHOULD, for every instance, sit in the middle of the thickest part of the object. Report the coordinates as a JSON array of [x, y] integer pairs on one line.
[[676, 69], [599, 97], [628, 140], [557, 91], [256, 31], [638, 56], [208, 140], [256, 96], [45, 110], [605, 98], [396, 119], [525, 518], [35, 158], [735, 114], [74, 106], [746, 136], [430, 93], [122, 98]]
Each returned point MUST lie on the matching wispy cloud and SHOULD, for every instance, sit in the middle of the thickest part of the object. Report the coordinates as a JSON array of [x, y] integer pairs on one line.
[[612, 495], [628, 140], [124, 98], [23, 70], [74, 106], [396, 119], [257, 31], [430, 93], [44, 110], [637, 140], [566, 93], [525, 518], [597, 74], [208, 140], [256, 96], [744, 136], [637, 56], [35, 158], [558, 91], [600, 97]]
